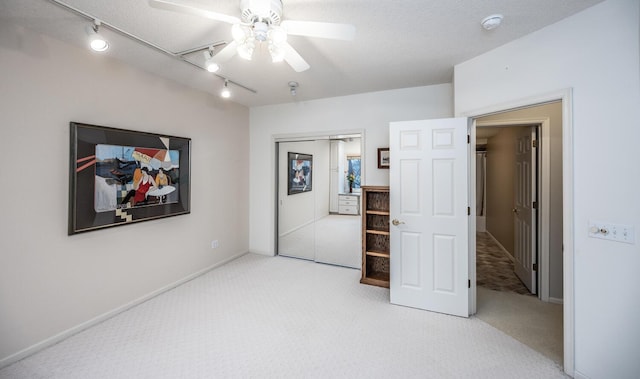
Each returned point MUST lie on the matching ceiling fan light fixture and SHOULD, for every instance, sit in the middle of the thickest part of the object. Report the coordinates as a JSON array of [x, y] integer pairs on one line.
[[239, 33], [245, 50], [277, 52], [96, 40], [260, 31], [277, 35]]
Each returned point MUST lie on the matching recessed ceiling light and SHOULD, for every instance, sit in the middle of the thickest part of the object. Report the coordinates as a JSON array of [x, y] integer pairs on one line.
[[492, 22]]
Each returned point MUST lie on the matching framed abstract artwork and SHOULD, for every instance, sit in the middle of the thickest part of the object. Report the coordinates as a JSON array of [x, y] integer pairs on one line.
[[119, 176], [300, 170]]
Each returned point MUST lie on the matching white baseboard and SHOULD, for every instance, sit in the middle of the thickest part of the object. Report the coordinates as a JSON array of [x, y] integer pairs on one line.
[[555, 300], [579, 375], [262, 252], [105, 316]]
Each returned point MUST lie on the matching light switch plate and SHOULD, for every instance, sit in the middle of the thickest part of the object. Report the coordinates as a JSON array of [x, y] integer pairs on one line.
[[612, 232]]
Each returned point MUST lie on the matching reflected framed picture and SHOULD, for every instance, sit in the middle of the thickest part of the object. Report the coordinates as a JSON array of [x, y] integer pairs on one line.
[[119, 177], [300, 167], [383, 157]]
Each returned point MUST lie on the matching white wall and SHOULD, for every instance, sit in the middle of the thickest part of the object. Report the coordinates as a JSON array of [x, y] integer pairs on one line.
[[51, 282], [369, 112], [602, 66]]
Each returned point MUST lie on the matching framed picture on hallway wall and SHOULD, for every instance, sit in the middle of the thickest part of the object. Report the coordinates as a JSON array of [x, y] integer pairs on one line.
[[118, 177], [300, 173], [383, 157]]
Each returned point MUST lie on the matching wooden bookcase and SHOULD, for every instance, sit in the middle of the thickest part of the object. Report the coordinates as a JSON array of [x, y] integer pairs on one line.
[[375, 236]]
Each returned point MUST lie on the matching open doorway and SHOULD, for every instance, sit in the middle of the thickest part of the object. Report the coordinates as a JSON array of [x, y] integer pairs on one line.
[[529, 310]]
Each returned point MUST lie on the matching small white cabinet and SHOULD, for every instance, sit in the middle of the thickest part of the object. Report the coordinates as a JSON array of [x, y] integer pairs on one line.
[[349, 204]]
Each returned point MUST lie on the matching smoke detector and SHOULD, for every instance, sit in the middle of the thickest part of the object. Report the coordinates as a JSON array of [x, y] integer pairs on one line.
[[492, 22]]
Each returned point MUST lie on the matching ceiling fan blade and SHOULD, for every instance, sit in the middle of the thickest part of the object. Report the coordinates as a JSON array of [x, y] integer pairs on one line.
[[344, 32], [294, 59], [226, 53], [192, 10]]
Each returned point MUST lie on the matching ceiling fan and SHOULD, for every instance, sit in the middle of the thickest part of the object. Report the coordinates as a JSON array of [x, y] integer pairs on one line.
[[261, 22]]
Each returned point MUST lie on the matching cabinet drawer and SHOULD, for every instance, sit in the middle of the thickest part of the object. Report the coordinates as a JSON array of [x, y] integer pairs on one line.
[[348, 197], [347, 210], [351, 203]]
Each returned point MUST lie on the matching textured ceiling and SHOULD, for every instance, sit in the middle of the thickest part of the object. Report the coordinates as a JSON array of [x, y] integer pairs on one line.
[[398, 44]]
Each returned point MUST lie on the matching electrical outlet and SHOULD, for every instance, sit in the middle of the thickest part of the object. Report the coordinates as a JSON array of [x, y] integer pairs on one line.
[[612, 232], [214, 244]]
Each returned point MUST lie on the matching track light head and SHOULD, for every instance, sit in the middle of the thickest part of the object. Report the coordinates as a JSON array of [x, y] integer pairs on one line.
[[226, 93], [209, 63], [96, 41]]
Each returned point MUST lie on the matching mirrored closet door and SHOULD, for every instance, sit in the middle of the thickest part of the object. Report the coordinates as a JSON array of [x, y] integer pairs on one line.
[[318, 204]]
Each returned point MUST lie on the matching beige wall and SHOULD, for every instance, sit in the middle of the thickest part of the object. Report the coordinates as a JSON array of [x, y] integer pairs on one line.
[[500, 186], [51, 282]]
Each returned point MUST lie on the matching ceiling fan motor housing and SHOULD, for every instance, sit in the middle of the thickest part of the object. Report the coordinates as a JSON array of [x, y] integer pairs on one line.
[[266, 11]]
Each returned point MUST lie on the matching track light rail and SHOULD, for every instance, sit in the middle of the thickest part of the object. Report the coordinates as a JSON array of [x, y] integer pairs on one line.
[[180, 55]]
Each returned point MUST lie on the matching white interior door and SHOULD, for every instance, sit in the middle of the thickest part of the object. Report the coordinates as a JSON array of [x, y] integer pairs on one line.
[[429, 212], [524, 213]]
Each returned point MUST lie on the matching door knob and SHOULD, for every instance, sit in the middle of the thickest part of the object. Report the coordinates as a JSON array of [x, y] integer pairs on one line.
[[395, 222], [515, 210]]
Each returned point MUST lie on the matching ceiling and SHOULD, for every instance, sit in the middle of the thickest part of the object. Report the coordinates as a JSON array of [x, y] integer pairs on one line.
[[398, 44]]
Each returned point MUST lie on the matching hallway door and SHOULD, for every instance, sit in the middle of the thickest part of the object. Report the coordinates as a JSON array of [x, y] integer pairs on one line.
[[524, 211]]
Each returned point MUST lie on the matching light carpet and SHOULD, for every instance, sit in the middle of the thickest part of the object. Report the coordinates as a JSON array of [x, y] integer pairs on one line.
[[265, 317], [525, 318]]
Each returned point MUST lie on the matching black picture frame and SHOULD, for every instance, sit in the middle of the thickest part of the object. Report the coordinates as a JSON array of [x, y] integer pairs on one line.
[[108, 185], [300, 173], [383, 157]]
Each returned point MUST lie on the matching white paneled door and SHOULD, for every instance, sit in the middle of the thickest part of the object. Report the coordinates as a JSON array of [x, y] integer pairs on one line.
[[524, 213], [429, 215]]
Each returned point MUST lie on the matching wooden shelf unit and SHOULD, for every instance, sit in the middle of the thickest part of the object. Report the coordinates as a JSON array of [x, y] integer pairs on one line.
[[375, 236]]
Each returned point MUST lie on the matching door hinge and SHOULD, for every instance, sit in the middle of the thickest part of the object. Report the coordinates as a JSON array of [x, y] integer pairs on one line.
[[468, 138], [535, 205], [468, 211], [535, 267], [534, 143], [469, 283]]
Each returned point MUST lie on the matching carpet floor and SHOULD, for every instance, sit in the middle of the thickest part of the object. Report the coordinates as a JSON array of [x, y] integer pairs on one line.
[[276, 317], [505, 303], [494, 268]]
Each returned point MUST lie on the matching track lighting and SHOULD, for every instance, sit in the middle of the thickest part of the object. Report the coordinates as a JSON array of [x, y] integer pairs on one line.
[[209, 64], [226, 93], [96, 41]]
